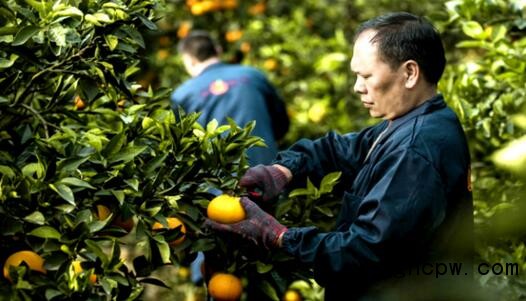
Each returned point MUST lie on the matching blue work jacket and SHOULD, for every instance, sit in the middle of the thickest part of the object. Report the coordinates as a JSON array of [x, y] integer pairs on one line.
[[406, 201], [242, 93]]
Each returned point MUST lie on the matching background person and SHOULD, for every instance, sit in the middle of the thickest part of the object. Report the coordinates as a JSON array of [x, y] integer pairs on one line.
[[219, 90], [406, 194]]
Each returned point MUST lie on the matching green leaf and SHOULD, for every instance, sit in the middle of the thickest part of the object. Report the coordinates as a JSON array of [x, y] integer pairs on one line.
[[36, 218], [114, 146], [45, 232], [52, 293], [211, 126], [164, 250], [328, 182], [94, 247], [25, 34], [269, 290], [263, 268], [112, 41], [6, 63], [7, 171], [34, 168], [203, 245], [498, 33], [75, 182], [149, 24], [133, 183], [324, 210], [298, 192], [70, 12], [119, 194], [172, 200], [70, 164], [128, 154], [64, 191], [473, 29], [135, 35]]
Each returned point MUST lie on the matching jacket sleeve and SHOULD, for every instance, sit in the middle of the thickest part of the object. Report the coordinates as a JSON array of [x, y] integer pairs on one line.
[[386, 227], [333, 152]]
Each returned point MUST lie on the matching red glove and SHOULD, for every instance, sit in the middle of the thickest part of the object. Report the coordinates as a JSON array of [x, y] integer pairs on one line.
[[264, 182], [258, 226]]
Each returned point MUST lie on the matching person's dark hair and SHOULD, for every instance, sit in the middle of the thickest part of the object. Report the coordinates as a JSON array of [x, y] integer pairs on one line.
[[402, 36], [198, 44]]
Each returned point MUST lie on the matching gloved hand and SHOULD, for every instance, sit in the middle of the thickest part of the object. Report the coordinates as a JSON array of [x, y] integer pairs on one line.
[[264, 182], [258, 226]]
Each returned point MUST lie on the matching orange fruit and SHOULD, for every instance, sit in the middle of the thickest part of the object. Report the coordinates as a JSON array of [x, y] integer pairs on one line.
[[233, 35], [79, 103], [77, 268], [34, 261], [229, 4], [225, 287], [184, 29], [225, 209], [103, 212], [245, 47], [292, 295], [164, 41], [270, 64], [197, 9], [257, 8], [163, 54], [173, 222]]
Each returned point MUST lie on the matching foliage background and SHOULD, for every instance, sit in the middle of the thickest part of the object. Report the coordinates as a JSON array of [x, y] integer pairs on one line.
[[303, 53]]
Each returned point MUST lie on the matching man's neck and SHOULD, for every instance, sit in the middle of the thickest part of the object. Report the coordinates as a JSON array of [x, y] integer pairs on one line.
[[198, 68]]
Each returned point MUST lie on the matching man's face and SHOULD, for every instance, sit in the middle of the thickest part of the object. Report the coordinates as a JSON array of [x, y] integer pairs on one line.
[[382, 89]]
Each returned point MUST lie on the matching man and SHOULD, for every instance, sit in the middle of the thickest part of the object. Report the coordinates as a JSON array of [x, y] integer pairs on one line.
[[406, 201], [218, 90]]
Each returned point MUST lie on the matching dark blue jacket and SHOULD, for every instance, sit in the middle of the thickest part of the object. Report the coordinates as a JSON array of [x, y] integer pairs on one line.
[[241, 93], [404, 204]]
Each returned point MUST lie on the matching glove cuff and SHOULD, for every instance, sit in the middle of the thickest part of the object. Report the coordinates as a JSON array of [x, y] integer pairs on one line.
[[277, 231], [279, 177]]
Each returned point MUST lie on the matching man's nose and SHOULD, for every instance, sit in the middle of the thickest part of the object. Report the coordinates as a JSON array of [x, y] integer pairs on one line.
[[359, 86]]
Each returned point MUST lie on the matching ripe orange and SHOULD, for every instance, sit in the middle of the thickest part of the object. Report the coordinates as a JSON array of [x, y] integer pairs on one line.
[[233, 35], [33, 260], [103, 212], [225, 209], [184, 29], [225, 287], [173, 222], [245, 47], [197, 9], [257, 8], [79, 103], [270, 64], [229, 4], [77, 268], [292, 295]]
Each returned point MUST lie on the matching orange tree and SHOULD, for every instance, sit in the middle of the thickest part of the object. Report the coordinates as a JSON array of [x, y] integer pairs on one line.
[[485, 84], [86, 155]]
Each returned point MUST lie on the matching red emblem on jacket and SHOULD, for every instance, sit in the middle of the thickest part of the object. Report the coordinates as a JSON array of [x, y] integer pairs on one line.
[[218, 87]]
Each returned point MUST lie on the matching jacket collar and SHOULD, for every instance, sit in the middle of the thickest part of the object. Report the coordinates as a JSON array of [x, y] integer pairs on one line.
[[434, 103], [212, 66]]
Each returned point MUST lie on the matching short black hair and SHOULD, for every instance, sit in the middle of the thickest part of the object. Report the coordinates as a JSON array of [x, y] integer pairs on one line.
[[402, 36], [198, 44]]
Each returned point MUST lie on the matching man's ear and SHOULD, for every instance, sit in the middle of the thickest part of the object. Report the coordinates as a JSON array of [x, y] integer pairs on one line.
[[411, 71]]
